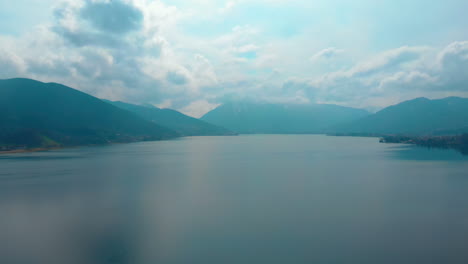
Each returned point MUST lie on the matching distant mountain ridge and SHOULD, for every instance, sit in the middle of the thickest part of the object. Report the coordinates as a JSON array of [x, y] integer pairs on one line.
[[182, 124], [36, 114], [257, 118], [420, 116]]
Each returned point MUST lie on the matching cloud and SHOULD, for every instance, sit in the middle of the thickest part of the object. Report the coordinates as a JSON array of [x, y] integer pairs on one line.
[[176, 78], [300, 89], [112, 16], [396, 74], [388, 61], [198, 108], [84, 38], [11, 65], [327, 53], [204, 68], [402, 81], [228, 6], [453, 66], [103, 49], [248, 51], [91, 23]]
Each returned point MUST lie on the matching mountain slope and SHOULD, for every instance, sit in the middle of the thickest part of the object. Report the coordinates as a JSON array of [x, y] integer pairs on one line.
[[34, 114], [420, 116], [248, 118], [184, 125]]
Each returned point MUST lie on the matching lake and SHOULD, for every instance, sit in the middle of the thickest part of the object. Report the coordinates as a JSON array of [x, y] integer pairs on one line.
[[235, 200]]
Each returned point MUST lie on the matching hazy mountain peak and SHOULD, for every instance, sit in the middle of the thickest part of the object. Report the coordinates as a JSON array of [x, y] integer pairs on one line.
[[249, 117]]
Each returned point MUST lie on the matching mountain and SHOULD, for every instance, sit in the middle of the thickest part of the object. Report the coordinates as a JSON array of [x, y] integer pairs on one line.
[[252, 118], [420, 116], [182, 124], [36, 114]]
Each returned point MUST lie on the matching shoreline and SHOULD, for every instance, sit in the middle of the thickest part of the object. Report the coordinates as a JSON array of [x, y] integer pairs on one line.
[[458, 142], [31, 150], [17, 151]]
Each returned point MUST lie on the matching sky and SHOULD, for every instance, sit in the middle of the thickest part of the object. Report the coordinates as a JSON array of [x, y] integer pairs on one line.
[[195, 55]]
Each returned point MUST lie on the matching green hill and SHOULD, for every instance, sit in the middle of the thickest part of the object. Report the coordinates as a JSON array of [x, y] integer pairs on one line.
[[420, 116], [182, 124], [36, 114], [253, 118]]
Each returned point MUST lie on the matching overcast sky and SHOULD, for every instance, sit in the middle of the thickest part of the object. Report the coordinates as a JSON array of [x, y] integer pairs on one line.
[[194, 55]]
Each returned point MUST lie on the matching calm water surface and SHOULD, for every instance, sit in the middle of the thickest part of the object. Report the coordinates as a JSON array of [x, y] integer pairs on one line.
[[241, 200]]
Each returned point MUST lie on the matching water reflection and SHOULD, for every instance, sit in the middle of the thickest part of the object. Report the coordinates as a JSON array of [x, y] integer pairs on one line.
[[247, 199], [83, 227], [410, 152]]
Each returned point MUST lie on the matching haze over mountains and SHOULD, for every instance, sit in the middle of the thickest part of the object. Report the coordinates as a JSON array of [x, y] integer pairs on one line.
[[420, 116], [43, 115], [182, 124], [35, 114], [257, 118]]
